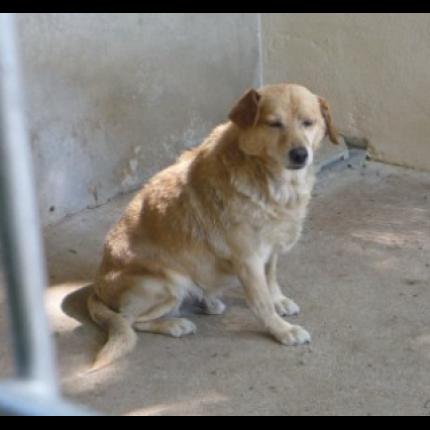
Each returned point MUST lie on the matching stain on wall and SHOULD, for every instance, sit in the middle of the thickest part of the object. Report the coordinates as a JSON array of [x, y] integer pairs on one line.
[[113, 98]]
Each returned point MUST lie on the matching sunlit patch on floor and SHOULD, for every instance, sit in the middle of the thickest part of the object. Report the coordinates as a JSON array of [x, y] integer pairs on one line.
[[410, 239], [188, 407]]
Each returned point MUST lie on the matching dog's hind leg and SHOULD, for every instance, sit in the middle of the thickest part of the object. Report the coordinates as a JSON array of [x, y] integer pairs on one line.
[[283, 305], [213, 306], [148, 298], [175, 327], [157, 301]]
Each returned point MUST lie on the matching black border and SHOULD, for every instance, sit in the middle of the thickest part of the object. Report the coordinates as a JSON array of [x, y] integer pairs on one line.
[[214, 6]]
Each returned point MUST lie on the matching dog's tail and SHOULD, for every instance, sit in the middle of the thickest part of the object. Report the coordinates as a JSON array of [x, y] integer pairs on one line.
[[121, 336]]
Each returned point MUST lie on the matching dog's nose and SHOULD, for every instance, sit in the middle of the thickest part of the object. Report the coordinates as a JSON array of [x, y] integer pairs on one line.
[[298, 156]]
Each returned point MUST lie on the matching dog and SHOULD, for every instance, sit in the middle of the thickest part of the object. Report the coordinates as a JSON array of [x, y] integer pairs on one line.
[[219, 216]]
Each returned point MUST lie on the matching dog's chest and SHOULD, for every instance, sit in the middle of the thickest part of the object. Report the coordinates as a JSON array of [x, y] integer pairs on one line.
[[285, 233], [274, 215], [287, 209]]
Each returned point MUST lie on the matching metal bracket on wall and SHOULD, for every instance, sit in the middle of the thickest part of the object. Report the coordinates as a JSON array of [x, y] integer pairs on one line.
[[330, 154]]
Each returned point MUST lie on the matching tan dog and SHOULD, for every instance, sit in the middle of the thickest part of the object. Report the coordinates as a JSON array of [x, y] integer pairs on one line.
[[221, 214]]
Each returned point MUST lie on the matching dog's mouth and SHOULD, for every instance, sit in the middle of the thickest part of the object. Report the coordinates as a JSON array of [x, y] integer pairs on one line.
[[296, 166]]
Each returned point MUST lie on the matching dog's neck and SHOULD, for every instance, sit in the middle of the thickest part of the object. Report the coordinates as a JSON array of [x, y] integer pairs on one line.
[[293, 187]]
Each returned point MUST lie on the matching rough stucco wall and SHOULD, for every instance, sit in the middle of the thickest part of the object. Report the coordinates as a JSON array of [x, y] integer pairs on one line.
[[112, 98], [374, 69]]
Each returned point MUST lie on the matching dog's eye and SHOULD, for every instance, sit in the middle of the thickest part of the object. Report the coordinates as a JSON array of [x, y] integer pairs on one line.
[[275, 124], [308, 123]]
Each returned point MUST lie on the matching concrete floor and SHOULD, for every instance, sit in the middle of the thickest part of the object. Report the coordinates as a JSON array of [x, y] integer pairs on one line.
[[361, 275]]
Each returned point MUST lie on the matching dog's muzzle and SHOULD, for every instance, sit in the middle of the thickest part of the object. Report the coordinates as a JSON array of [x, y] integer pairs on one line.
[[297, 158]]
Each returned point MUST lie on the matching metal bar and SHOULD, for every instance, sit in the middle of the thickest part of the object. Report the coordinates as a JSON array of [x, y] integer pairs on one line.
[[24, 399], [19, 228]]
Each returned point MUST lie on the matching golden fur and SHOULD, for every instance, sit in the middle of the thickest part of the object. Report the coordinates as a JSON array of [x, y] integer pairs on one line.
[[221, 214]]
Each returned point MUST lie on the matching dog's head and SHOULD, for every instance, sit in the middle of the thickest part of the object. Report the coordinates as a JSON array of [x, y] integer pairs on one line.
[[285, 123]]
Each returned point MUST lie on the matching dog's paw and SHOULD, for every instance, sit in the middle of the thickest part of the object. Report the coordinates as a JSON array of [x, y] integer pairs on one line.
[[286, 307], [182, 327], [214, 306], [293, 335]]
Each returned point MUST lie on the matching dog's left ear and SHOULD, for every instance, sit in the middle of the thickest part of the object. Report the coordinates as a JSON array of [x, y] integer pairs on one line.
[[245, 112], [331, 130]]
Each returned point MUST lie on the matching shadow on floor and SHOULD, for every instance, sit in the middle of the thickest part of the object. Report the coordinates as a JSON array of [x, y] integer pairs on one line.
[[75, 305]]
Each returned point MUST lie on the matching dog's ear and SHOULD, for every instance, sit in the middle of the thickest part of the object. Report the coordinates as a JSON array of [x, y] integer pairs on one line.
[[245, 112], [330, 129]]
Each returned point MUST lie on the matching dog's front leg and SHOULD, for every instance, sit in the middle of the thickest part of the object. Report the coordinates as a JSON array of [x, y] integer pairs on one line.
[[252, 274], [283, 305]]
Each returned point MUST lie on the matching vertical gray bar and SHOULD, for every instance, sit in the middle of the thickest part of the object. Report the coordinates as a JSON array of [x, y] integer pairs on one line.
[[19, 226]]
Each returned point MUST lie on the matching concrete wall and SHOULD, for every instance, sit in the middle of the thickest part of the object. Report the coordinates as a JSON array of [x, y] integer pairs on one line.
[[373, 68], [112, 98]]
